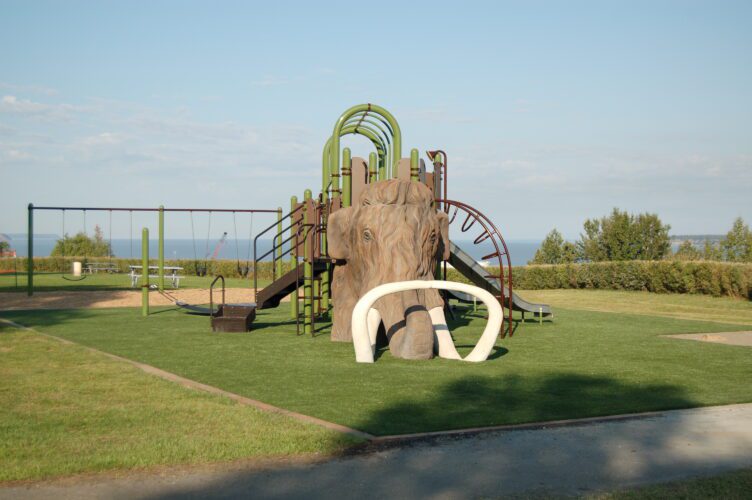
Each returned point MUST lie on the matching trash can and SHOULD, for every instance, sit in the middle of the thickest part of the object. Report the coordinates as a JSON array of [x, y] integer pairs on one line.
[[76, 269]]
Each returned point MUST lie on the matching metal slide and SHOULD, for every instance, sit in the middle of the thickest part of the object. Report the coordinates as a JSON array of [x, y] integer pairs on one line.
[[473, 271]]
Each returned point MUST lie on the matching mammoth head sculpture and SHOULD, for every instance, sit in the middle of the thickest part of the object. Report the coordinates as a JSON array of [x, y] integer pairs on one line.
[[393, 234]]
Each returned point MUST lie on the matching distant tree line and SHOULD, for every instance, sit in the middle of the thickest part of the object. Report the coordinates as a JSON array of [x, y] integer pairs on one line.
[[621, 236], [83, 245]]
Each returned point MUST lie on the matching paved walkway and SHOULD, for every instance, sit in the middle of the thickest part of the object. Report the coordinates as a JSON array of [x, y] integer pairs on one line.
[[568, 460]]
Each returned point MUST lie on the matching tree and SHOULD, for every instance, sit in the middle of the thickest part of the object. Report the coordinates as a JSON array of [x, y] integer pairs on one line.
[[4, 246], [687, 251], [711, 251], [554, 250], [81, 245], [737, 245], [623, 236]]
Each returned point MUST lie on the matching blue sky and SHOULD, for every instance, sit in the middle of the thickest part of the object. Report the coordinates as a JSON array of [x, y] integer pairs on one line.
[[551, 112]]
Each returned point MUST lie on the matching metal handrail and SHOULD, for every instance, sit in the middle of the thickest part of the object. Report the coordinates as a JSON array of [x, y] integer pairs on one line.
[[211, 294], [277, 244]]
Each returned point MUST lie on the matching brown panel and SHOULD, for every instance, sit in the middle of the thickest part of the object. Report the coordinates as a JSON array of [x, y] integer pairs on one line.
[[429, 182], [297, 221], [359, 179], [335, 204], [403, 170]]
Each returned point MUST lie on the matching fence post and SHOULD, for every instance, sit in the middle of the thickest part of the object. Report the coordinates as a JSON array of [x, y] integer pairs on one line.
[[346, 177], [278, 252], [161, 248], [145, 271], [294, 300], [373, 168], [30, 258], [308, 266]]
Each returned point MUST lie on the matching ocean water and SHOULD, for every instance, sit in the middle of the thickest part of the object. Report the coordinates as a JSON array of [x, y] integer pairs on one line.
[[520, 251]]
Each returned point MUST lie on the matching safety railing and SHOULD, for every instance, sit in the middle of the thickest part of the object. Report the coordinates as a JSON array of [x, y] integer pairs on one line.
[[211, 295]]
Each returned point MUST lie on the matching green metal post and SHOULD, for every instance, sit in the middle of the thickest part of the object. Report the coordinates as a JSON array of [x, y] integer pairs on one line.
[[316, 293], [414, 165], [373, 168], [307, 269], [145, 271], [30, 258], [161, 248], [279, 239], [346, 177], [294, 261]]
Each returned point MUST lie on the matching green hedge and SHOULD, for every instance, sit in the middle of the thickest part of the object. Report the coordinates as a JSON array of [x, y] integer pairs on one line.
[[227, 268], [701, 277]]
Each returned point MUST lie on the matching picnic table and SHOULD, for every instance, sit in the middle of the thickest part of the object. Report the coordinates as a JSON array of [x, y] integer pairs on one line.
[[95, 267], [170, 272]]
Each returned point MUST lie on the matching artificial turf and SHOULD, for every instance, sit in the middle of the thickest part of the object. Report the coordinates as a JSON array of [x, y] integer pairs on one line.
[[582, 364]]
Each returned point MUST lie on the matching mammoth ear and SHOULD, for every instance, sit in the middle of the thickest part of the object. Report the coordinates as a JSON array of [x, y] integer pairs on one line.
[[337, 230], [443, 221]]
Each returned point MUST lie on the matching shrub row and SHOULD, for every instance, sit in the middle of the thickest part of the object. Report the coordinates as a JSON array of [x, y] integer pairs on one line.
[[227, 268], [700, 277]]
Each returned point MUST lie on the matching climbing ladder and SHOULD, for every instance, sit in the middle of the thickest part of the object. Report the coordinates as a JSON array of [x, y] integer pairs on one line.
[[303, 247]]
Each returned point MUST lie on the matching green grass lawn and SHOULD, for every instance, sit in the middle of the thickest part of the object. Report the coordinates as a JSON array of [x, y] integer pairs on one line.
[[66, 410], [672, 305], [735, 485], [48, 282], [583, 364]]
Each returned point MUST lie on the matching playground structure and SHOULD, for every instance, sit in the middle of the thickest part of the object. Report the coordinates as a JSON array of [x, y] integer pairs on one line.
[[302, 234], [344, 180]]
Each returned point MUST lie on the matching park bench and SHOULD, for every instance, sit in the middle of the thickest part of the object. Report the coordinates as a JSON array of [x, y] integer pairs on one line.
[[96, 267], [171, 273]]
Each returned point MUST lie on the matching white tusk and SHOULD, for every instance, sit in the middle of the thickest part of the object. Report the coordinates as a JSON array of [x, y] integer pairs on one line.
[[442, 337], [363, 342], [374, 320]]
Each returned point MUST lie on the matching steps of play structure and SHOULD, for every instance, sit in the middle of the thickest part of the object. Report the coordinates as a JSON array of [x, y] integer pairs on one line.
[[233, 318], [469, 268], [272, 294]]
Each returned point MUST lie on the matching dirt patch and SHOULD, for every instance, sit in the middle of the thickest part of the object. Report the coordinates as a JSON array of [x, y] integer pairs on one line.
[[113, 298], [730, 338]]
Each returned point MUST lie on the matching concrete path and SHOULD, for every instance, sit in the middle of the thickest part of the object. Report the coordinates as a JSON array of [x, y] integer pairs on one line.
[[565, 460]]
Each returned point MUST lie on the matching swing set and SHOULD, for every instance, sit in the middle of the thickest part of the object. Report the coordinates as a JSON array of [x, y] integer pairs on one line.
[[201, 266]]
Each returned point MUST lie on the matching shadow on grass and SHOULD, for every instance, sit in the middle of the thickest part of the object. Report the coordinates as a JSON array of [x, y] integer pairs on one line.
[[35, 319], [481, 401], [559, 460]]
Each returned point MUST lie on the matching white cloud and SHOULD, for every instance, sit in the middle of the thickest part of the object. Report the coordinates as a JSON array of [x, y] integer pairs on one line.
[[103, 139], [30, 89], [11, 104]]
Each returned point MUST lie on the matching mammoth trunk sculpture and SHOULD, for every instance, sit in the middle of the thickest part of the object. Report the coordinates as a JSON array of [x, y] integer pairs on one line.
[[393, 234]]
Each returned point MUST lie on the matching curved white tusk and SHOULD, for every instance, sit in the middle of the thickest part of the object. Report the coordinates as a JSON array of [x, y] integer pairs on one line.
[[374, 320], [360, 325], [443, 343]]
